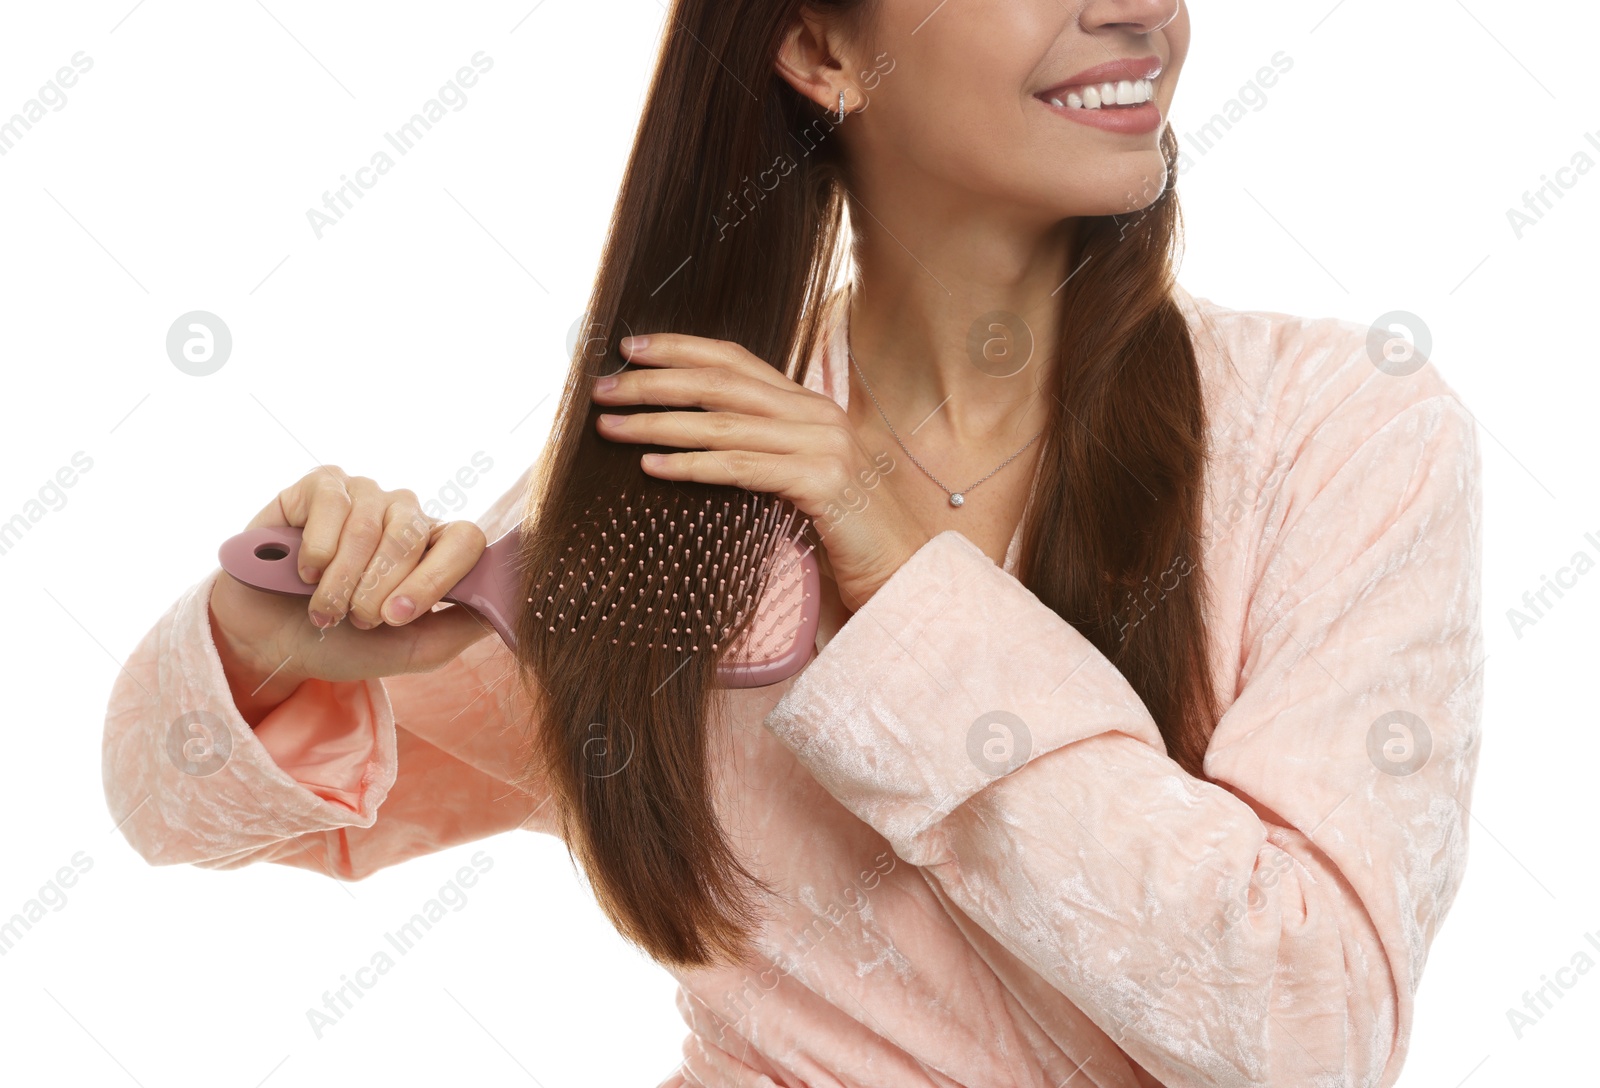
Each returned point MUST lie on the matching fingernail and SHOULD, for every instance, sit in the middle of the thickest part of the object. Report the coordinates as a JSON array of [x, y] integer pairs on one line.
[[400, 609], [321, 619], [311, 575], [606, 384], [635, 343], [360, 623]]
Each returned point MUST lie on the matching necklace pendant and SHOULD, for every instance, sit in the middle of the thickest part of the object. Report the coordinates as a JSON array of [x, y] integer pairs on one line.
[[957, 499]]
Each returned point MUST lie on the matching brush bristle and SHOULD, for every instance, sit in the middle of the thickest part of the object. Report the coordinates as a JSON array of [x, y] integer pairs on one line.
[[707, 567]]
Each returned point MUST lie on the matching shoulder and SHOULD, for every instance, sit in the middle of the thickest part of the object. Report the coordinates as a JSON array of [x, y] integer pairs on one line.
[[1317, 388]]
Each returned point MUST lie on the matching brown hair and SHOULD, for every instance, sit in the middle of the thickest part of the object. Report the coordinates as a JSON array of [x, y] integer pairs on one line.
[[729, 225]]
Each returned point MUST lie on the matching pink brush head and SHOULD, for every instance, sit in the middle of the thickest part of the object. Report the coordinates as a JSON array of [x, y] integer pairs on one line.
[[706, 564]]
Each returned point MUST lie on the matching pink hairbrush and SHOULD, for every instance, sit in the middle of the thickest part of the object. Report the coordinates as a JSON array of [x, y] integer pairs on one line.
[[751, 555]]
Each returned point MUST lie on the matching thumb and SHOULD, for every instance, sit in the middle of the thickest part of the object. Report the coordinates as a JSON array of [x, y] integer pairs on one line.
[[440, 637]]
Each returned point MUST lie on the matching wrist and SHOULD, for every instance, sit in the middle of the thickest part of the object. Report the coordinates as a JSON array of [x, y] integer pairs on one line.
[[257, 688], [896, 556]]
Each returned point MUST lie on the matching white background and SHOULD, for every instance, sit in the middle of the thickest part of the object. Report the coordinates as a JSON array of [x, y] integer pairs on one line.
[[430, 324]]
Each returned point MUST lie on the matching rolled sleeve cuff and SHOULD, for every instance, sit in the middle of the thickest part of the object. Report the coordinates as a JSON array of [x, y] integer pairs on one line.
[[952, 675]]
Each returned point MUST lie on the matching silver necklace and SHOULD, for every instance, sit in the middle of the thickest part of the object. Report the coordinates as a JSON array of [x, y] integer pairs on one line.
[[957, 498]]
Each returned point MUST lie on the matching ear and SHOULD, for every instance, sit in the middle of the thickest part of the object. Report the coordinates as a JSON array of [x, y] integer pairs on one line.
[[809, 59]]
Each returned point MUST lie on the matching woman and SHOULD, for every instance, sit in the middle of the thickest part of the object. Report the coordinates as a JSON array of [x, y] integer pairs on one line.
[[1138, 741]]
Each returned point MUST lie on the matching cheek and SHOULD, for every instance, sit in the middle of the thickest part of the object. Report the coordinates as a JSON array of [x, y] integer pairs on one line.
[[976, 141], [1177, 36], [958, 126], [960, 69]]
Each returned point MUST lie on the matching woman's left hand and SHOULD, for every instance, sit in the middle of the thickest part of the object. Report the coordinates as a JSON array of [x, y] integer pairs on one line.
[[762, 432]]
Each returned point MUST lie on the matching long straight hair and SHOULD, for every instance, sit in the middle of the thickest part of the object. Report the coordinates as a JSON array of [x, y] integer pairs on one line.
[[730, 224]]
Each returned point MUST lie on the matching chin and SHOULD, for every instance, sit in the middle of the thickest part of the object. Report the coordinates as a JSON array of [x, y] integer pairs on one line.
[[1131, 187]]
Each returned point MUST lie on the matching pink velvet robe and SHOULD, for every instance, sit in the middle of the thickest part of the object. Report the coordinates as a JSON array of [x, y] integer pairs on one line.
[[995, 875]]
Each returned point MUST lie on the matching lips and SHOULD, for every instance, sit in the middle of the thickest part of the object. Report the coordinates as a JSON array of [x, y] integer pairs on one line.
[[1114, 71]]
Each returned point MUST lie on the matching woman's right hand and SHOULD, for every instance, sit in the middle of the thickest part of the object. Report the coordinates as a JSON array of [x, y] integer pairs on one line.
[[364, 549]]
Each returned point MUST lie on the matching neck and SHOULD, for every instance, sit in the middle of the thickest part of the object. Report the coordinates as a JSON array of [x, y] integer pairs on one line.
[[957, 344]]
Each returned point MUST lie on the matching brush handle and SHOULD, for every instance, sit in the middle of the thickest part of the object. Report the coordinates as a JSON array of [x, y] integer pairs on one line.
[[267, 558]]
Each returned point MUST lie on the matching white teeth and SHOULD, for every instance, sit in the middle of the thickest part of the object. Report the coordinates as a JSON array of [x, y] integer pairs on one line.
[[1094, 96]]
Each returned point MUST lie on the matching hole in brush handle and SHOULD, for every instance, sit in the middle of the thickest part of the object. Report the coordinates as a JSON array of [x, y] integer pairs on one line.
[[266, 558]]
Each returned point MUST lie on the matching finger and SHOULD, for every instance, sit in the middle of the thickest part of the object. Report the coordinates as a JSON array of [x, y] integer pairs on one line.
[[291, 499], [788, 477], [714, 431], [714, 388], [322, 521], [454, 551], [317, 502], [407, 532], [359, 538], [677, 349]]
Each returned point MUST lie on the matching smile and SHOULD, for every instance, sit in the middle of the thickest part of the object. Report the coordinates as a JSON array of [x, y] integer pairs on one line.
[[1094, 96], [1127, 107]]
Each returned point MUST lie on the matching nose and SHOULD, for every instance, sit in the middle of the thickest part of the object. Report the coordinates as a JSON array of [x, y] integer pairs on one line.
[[1135, 16]]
